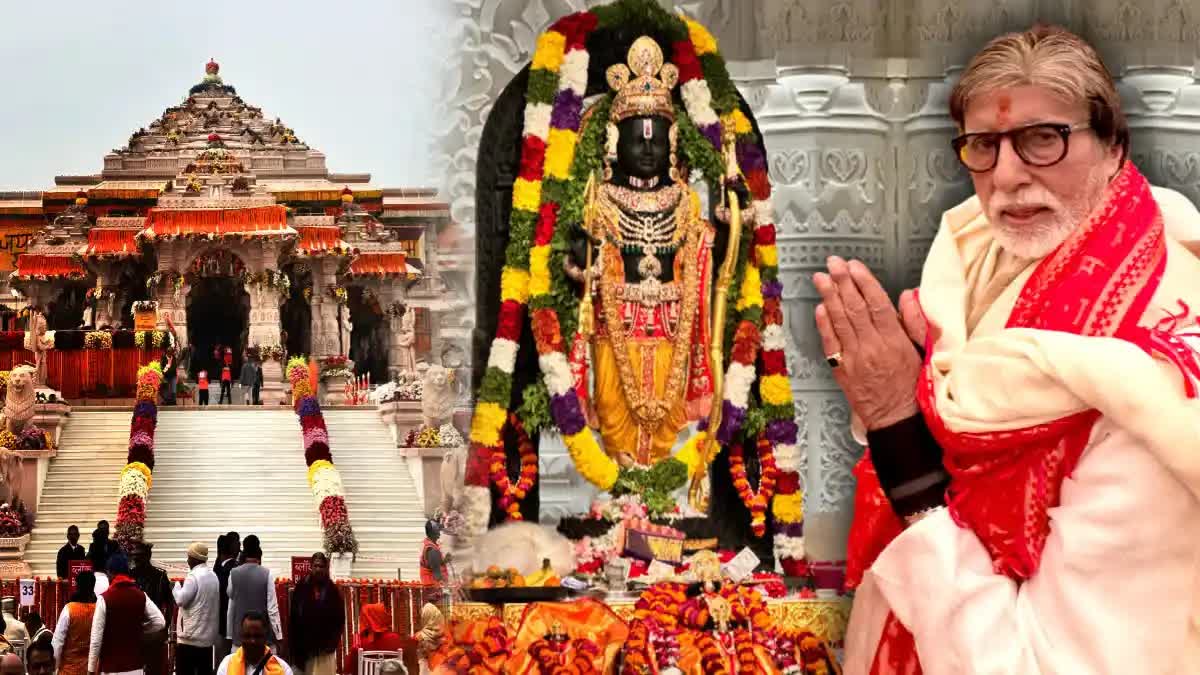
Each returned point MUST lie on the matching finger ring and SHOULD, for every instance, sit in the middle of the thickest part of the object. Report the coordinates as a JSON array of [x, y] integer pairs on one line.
[[834, 360]]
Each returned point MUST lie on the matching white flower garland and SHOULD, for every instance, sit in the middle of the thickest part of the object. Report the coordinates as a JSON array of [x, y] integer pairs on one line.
[[773, 338], [503, 355], [537, 120], [697, 98], [133, 482], [326, 482], [787, 457], [738, 381], [557, 373], [573, 72], [789, 547]]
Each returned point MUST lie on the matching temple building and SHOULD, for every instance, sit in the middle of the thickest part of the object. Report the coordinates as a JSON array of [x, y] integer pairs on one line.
[[230, 226]]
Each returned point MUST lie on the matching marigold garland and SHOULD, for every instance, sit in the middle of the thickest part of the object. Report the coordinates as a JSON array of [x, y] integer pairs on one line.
[[755, 500], [546, 202], [511, 495]]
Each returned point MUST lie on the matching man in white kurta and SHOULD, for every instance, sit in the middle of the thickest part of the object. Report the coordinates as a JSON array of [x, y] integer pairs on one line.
[[1103, 574]]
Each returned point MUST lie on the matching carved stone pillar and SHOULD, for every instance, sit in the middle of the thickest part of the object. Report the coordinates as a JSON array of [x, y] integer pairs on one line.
[[324, 308], [172, 300]]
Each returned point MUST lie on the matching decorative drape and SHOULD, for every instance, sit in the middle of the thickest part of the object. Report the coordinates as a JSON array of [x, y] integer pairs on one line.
[[111, 241], [81, 372], [380, 264], [252, 220], [34, 265], [317, 240]]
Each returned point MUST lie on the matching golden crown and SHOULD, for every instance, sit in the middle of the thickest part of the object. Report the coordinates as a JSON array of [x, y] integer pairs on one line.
[[640, 90]]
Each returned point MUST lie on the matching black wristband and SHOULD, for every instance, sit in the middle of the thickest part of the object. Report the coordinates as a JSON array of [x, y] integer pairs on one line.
[[908, 462]]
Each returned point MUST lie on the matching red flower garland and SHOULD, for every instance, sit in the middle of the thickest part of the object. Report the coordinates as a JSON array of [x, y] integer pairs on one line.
[[511, 495], [755, 500]]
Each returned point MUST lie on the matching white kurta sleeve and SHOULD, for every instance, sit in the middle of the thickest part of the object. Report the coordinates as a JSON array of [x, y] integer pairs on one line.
[[273, 607], [60, 632], [153, 619], [1111, 594], [97, 637], [185, 593]]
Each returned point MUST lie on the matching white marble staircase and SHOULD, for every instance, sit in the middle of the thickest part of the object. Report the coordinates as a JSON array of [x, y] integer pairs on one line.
[[238, 469], [81, 485]]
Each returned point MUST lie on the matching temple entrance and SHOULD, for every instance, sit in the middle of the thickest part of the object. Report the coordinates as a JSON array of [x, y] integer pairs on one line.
[[368, 335], [295, 314], [218, 316]]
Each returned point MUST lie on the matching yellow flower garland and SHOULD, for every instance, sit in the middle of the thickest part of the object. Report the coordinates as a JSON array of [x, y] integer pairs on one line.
[[527, 195], [488, 421], [702, 40], [514, 285], [316, 467], [768, 256], [788, 508], [560, 153], [775, 389], [548, 55], [751, 295], [539, 270], [139, 467]]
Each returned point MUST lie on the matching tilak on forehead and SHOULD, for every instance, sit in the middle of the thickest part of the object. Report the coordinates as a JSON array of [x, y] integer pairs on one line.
[[647, 128], [1003, 110]]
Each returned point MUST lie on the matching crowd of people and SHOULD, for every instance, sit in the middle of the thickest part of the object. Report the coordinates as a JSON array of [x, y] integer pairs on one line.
[[225, 617]]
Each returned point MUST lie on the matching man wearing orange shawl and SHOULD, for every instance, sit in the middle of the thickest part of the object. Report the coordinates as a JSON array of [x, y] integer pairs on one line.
[[253, 656], [374, 634], [1030, 505]]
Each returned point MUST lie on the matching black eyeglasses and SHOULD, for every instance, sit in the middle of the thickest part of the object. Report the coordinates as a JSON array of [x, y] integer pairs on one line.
[[1036, 144]]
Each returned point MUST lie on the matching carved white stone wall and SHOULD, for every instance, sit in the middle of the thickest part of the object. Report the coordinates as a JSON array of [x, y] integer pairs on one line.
[[851, 96]]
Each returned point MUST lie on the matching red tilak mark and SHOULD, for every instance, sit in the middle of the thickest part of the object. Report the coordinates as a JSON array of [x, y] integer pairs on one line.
[[1005, 106]]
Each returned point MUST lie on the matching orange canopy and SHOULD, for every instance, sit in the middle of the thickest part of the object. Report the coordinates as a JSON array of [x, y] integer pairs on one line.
[[380, 264], [34, 265], [318, 240], [258, 220], [111, 241]]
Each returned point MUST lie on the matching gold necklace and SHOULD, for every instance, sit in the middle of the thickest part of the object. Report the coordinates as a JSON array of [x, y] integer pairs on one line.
[[650, 411]]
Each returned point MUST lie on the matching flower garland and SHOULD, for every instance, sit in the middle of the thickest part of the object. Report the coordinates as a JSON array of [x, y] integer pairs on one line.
[[755, 500], [323, 477], [97, 339], [548, 189], [512, 495], [156, 338], [135, 481], [146, 305], [445, 436], [549, 657]]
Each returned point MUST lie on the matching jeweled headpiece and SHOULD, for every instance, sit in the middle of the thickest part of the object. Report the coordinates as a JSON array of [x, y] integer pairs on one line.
[[641, 92]]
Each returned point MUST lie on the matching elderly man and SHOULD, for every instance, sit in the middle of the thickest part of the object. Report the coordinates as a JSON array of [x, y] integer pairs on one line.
[[1028, 503], [198, 598]]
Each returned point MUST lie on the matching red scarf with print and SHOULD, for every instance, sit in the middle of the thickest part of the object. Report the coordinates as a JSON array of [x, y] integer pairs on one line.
[[1097, 283]]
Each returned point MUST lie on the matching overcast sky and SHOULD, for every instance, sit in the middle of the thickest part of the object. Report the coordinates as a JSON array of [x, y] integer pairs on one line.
[[354, 78]]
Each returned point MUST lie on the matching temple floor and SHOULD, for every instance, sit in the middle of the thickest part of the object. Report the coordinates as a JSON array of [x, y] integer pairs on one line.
[[239, 469]]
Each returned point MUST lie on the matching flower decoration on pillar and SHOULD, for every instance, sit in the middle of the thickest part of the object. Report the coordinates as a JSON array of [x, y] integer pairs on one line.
[[134, 486], [323, 477]]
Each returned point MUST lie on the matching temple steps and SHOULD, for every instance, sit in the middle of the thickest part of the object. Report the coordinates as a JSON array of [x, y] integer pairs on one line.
[[94, 444], [241, 469]]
